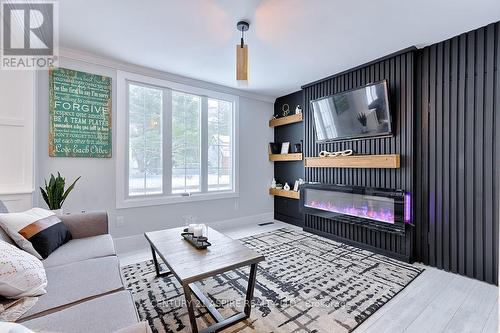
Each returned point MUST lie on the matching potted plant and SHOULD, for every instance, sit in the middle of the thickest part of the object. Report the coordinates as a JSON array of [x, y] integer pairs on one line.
[[54, 193]]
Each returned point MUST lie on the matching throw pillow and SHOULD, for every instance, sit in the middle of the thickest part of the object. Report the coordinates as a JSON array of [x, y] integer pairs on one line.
[[21, 274], [37, 231]]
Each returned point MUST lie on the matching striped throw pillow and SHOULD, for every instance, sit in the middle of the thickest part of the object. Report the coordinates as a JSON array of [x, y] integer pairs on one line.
[[37, 231]]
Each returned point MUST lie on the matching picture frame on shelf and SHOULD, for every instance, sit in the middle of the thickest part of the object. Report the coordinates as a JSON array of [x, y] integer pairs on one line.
[[285, 147], [298, 147], [275, 148]]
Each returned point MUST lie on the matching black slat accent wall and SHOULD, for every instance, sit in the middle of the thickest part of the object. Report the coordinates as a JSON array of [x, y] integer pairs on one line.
[[288, 210], [399, 71], [457, 153]]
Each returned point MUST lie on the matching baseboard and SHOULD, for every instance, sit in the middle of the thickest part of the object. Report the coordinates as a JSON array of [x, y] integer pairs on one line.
[[136, 243]]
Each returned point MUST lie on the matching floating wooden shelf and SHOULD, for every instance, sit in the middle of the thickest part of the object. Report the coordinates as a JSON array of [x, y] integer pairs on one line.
[[285, 157], [295, 118], [282, 193], [390, 161]]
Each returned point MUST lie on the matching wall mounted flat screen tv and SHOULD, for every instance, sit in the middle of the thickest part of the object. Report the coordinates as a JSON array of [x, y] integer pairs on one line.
[[354, 114]]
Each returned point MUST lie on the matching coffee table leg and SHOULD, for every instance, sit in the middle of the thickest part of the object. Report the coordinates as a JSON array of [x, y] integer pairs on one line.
[[189, 304], [157, 266], [250, 289]]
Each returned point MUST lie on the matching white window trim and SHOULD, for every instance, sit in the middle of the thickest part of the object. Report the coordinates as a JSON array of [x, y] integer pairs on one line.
[[123, 200]]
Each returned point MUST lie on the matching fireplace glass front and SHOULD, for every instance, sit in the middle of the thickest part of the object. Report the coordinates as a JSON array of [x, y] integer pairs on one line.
[[377, 208]]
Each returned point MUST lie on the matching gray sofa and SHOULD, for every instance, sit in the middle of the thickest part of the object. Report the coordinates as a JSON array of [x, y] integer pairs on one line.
[[85, 291]]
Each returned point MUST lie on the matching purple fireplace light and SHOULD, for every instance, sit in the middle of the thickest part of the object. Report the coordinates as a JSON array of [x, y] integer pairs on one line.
[[364, 210], [384, 209]]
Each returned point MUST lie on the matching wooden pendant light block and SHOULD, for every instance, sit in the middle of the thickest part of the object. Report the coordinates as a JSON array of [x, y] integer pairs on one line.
[[282, 193], [285, 157], [285, 120], [390, 161], [242, 62]]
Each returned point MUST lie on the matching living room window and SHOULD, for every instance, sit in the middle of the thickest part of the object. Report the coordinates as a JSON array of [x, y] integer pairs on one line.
[[179, 142], [145, 105]]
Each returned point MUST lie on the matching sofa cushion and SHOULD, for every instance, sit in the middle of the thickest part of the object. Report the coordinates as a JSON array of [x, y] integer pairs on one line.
[[103, 314], [13, 328], [76, 282], [81, 249]]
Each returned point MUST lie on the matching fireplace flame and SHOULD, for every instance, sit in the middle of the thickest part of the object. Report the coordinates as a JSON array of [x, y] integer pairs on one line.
[[363, 211]]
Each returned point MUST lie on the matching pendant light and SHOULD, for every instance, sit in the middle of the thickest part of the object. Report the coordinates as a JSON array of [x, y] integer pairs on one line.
[[242, 55]]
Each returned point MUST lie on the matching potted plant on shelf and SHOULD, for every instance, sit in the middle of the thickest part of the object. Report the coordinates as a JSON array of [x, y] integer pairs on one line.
[[54, 193]]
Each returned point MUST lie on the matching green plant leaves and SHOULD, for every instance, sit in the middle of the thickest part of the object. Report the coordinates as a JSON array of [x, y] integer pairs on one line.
[[72, 186], [54, 194]]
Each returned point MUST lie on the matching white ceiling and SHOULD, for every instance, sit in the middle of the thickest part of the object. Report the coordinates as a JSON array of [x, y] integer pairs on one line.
[[291, 42]]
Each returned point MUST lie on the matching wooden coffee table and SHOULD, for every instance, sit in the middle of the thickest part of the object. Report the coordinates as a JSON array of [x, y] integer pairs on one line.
[[189, 265]]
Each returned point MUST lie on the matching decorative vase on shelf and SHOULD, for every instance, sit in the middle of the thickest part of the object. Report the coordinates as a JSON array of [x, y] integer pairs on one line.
[[286, 187], [273, 183]]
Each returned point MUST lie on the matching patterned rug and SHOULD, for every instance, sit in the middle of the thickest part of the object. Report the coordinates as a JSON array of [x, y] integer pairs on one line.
[[307, 284]]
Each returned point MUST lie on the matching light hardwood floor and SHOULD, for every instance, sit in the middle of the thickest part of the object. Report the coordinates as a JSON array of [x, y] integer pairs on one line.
[[436, 301]]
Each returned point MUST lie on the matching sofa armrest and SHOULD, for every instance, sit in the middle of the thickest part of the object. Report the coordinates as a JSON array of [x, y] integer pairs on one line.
[[86, 224]]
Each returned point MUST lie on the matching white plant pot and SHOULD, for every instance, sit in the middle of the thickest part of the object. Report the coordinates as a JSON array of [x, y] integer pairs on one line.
[[58, 211]]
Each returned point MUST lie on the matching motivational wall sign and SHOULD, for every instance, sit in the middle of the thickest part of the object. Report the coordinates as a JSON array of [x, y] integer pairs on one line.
[[80, 114]]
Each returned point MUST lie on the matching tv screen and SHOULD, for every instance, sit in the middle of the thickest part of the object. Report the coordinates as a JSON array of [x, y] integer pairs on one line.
[[358, 113]]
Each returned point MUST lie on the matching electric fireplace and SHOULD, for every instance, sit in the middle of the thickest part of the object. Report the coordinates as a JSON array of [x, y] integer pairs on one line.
[[381, 209]]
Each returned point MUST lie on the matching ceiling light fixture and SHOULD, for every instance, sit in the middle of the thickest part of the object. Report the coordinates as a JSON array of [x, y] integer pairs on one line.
[[242, 54]]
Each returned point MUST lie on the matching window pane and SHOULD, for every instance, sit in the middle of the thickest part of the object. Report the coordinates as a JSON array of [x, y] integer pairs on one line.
[[145, 140], [186, 142], [220, 143]]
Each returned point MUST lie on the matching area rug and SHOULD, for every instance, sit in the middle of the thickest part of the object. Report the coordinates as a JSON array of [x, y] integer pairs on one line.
[[307, 284]]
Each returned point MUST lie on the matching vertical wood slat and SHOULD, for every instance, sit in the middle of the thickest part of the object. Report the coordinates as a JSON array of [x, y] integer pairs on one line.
[[399, 71], [458, 151], [469, 153], [453, 157], [432, 157], [496, 150], [488, 149], [478, 155], [462, 263], [446, 233]]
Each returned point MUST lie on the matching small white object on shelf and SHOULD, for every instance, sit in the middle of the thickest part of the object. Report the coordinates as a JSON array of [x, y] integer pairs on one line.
[[285, 147], [296, 186], [273, 183], [286, 187]]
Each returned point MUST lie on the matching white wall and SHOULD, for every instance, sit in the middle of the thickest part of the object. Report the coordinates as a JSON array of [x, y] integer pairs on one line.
[[97, 188], [16, 138]]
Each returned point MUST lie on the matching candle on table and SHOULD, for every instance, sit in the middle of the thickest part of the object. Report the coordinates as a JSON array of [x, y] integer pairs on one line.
[[191, 228], [198, 231]]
